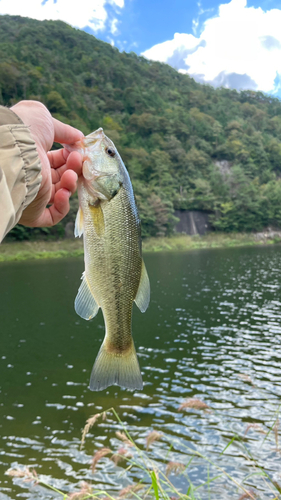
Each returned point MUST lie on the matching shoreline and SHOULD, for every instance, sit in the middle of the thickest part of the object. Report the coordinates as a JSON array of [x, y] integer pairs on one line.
[[40, 249]]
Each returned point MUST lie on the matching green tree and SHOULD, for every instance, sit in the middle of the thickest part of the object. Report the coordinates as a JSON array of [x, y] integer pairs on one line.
[[55, 102], [169, 130]]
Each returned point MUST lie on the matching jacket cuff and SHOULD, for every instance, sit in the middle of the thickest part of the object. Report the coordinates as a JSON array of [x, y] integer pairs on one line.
[[20, 170], [8, 117], [28, 152], [31, 172]]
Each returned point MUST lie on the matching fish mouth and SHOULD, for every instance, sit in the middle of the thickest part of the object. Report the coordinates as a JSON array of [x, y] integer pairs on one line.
[[94, 138]]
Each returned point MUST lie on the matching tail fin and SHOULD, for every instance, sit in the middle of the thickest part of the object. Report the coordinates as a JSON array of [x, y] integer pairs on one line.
[[116, 369]]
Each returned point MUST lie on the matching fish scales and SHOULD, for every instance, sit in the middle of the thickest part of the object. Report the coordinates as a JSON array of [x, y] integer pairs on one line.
[[113, 269], [115, 275]]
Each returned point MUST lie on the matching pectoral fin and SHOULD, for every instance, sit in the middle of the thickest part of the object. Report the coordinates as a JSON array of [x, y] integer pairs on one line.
[[79, 225], [143, 293], [97, 219], [85, 304]]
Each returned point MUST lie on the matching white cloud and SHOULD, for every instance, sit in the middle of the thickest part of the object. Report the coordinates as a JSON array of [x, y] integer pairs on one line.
[[90, 13], [164, 51], [195, 22], [118, 3], [239, 48], [113, 26]]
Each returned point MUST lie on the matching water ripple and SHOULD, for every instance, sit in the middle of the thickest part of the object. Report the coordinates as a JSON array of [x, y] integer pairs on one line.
[[218, 344]]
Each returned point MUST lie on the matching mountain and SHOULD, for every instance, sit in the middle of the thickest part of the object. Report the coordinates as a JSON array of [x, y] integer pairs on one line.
[[186, 145]]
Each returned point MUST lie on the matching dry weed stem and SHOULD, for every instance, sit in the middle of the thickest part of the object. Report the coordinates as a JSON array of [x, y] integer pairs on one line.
[[121, 454], [132, 488], [25, 473], [89, 424], [195, 403], [250, 494], [152, 436], [255, 426], [122, 436], [98, 455], [85, 490], [246, 378], [175, 467]]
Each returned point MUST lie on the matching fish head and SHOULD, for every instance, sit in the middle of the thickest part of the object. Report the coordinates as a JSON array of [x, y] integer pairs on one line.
[[101, 153], [101, 166]]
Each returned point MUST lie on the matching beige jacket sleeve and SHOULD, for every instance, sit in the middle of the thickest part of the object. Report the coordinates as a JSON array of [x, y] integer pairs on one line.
[[20, 169]]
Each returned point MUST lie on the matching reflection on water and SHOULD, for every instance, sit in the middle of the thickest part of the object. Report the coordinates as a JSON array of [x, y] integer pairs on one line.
[[212, 332]]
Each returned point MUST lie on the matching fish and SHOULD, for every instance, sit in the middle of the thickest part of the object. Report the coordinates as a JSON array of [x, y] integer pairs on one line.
[[115, 275]]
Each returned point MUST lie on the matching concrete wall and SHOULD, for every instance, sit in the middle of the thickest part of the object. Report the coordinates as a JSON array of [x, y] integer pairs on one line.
[[192, 222]]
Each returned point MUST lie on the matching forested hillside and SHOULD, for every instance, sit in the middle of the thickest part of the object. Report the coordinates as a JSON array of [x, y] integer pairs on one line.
[[186, 145]]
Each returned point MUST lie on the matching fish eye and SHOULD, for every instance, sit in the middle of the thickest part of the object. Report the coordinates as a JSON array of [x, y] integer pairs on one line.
[[111, 152]]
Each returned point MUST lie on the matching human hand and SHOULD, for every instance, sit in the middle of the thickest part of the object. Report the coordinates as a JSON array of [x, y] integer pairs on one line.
[[59, 168]]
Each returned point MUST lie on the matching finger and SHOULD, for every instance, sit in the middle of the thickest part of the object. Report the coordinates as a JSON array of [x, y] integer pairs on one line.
[[61, 156], [58, 158], [68, 181], [66, 134], [57, 211], [74, 163]]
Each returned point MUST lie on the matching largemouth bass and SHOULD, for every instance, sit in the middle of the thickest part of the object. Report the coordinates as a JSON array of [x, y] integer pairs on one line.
[[115, 275]]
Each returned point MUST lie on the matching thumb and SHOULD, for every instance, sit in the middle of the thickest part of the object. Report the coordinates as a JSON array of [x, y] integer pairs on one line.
[[65, 134]]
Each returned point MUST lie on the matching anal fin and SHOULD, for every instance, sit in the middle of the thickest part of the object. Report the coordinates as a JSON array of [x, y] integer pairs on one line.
[[85, 304]]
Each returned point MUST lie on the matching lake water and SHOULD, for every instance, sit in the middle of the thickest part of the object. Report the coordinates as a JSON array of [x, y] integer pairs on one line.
[[212, 333]]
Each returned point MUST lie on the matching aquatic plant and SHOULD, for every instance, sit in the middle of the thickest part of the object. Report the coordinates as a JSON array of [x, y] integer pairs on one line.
[[156, 481]]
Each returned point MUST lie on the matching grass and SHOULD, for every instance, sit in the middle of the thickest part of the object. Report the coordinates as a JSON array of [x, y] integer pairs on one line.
[[210, 240], [17, 251], [156, 481]]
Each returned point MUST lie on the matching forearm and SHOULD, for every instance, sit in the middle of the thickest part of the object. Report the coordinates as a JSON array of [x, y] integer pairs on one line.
[[20, 169]]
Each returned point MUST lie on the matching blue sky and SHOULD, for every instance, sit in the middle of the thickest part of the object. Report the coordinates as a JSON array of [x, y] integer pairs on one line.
[[235, 44], [144, 23]]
